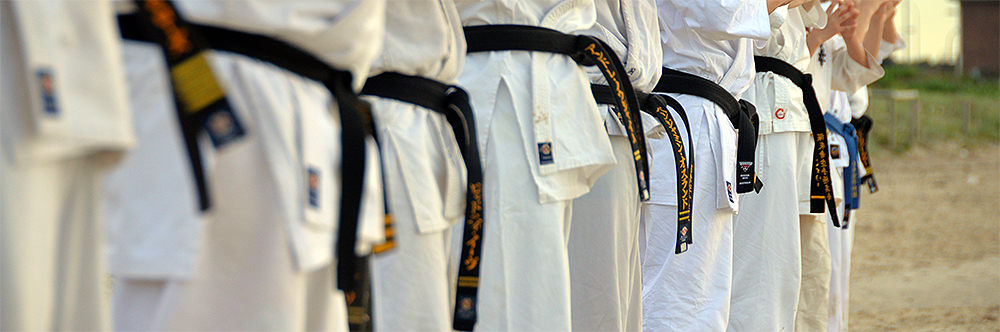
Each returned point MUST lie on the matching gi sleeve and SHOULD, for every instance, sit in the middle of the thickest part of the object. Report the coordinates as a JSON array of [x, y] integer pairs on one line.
[[886, 48], [345, 34], [859, 102], [848, 75], [725, 19]]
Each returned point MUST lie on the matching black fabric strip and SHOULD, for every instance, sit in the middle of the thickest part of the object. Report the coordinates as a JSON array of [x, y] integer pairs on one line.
[[741, 114], [353, 151], [673, 81], [353, 128], [604, 95], [423, 92], [459, 112], [821, 186], [485, 38]]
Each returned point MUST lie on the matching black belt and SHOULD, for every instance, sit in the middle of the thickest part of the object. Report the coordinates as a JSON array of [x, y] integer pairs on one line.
[[656, 105], [586, 51], [353, 126], [863, 125], [742, 114], [453, 102], [821, 186]]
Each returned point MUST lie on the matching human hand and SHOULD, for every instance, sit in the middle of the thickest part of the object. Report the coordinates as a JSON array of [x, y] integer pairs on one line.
[[844, 20], [890, 9]]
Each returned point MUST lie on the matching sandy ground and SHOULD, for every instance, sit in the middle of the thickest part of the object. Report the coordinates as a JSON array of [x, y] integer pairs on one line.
[[927, 246]]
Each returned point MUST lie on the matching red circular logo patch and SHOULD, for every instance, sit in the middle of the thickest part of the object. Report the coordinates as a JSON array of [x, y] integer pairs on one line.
[[780, 113]]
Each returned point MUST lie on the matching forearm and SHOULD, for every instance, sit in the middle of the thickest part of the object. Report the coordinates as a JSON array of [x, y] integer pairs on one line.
[[817, 37], [857, 51], [873, 37], [889, 33], [774, 4]]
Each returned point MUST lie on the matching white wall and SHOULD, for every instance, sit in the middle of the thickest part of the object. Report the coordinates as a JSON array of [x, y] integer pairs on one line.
[[933, 33]]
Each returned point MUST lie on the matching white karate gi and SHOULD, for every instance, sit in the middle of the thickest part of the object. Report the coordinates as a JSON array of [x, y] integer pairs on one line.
[[64, 120], [424, 172], [766, 253], [261, 257], [603, 248], [841, 240], [836, 71], [846, 107], [523, 100], [691, 291]]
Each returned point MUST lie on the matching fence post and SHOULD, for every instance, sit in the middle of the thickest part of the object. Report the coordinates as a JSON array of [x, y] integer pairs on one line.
[[967, 126], [915, 110], [892, 117]]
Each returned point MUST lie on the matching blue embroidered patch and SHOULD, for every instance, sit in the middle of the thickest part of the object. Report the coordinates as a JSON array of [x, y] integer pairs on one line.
[[466, 308], [48, 91], [223, 127], [545, 153], [313, 187]]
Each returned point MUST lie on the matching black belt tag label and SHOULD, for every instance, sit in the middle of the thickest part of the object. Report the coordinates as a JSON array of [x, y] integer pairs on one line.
[[872, 185], [746, 175]]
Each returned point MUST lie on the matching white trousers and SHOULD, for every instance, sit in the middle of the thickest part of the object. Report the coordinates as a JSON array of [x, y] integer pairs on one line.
[[841, 244], [244, 278], [524, 281], [814, 297], [52, 266], [766, 247], [604, 250], [246, 273], [411, 283], [688, 291]]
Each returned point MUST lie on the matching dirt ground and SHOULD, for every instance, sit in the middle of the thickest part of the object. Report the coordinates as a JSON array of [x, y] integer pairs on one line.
[[927, 245]]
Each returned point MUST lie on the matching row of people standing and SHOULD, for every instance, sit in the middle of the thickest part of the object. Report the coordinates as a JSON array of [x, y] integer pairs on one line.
[[656, 241]]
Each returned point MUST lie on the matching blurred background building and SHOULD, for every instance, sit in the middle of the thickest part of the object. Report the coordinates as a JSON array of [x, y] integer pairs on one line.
[[980, 37]]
